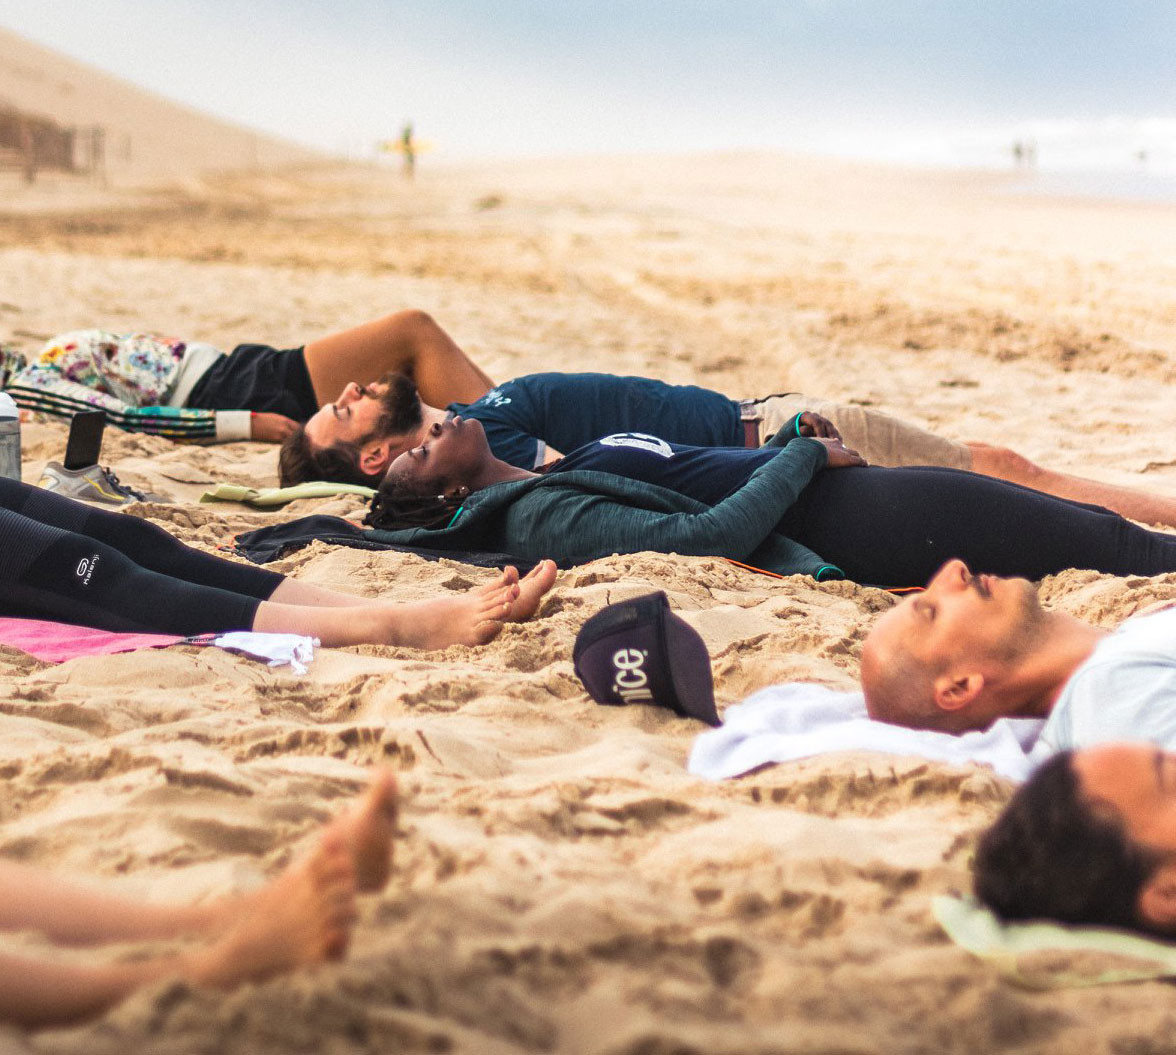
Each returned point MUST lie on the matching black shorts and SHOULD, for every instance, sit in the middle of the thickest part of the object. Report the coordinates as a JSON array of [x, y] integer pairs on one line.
[[260, 378]]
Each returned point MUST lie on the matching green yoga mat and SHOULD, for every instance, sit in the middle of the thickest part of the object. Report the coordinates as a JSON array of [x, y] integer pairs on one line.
[[267, 497], [1045, 955]]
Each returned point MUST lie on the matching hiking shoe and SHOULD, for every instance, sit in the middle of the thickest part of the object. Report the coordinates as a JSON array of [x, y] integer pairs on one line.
[[92, 484]]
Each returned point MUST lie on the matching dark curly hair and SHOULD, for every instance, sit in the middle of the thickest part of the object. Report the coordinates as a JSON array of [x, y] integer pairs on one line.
[[1055, 854], [299, 460], [398, 504]]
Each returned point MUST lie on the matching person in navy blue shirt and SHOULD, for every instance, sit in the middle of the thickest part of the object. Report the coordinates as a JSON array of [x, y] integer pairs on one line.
[[531, 420]]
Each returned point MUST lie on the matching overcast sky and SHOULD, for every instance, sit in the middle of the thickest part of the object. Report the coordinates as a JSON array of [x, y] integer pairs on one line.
[[512, 77]]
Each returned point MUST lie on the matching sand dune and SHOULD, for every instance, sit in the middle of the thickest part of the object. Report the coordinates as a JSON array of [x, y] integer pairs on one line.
[[148, 137], [563, 885]]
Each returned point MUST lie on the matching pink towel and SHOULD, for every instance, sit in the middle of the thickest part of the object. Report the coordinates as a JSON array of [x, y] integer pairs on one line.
[[57, 642]]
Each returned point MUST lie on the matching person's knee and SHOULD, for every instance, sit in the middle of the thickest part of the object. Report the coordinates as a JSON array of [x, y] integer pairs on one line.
[[1004, 464]]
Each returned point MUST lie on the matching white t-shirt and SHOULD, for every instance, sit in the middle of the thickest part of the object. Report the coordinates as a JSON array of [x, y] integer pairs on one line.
[[1126, 690]]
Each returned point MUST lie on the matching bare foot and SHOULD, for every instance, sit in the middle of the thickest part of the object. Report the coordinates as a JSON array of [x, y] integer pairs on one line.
[[303, 917], [474, 618], [532, 587], [367, 831]]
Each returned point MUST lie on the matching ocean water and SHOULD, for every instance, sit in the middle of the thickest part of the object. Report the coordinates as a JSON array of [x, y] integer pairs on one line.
[[1126, 159], [1136, 185]]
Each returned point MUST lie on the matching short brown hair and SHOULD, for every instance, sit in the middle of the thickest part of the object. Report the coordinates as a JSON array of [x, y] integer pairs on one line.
[[299, 461]]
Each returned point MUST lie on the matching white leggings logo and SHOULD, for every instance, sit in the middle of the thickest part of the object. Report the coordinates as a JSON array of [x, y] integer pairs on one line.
[[86, 568]]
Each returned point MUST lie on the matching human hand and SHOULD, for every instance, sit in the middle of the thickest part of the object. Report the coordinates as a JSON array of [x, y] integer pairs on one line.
[[270, 428], [840, 456], [812, 424]]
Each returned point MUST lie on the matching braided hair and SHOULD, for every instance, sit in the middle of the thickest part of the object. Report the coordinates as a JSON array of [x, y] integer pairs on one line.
[[398, 505]]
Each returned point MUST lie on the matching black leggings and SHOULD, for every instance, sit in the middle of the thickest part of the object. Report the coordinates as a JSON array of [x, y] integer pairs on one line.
[[67, 561], [895, 527]]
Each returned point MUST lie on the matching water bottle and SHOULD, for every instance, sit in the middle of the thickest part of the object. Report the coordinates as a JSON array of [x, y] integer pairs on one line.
[[9, 438]]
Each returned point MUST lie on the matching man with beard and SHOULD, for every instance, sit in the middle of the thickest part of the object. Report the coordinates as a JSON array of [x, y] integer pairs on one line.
[[974, 648], [193, 391], [529, 420]]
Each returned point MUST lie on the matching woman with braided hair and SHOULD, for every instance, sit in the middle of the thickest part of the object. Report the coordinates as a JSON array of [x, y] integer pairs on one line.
[[781, 509]]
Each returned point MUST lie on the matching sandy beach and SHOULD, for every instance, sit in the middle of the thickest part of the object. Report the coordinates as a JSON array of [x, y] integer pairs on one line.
[[561, 883]]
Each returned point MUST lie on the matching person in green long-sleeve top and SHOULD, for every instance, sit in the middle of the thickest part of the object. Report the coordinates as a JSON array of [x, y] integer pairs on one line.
[[810, 507]]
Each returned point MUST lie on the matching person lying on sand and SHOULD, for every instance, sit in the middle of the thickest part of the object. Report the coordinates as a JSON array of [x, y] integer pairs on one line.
[[974, 648], [358, 416], [810, 507], [1090, 838], [193, 391], [530, 419], [70, 562], [302, 917]]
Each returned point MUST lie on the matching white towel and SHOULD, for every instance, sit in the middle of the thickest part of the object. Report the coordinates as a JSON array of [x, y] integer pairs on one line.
[[786, 722], [277, 649]]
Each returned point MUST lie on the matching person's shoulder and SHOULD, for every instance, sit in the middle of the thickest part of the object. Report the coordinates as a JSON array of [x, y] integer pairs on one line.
[[1121, 697], [1150, 636], [1114, 678], [1158, 623]]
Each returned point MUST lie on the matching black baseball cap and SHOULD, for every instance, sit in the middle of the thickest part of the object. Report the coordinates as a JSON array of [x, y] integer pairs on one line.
[[638, 651]]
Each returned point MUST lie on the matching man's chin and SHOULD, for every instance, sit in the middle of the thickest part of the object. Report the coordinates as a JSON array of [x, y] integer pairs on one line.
[[1030, 598]]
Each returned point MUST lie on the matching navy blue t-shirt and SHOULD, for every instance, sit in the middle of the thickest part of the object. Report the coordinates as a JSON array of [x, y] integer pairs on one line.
[[567, 411], [708, 474]]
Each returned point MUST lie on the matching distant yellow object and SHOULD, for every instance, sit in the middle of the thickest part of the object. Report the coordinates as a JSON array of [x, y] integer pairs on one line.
[[395, 146]]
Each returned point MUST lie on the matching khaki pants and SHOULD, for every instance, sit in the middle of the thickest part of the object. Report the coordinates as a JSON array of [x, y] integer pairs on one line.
[[877, 437]]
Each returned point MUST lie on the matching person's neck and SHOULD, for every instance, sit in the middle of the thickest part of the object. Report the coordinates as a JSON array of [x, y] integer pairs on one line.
[[1061, 647], [496, 471], [430, 416], [493, 471]]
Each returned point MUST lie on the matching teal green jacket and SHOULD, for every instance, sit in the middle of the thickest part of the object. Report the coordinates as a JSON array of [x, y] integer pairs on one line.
[[582, 515]]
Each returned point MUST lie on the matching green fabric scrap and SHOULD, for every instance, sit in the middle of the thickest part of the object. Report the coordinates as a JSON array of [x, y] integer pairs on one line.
[[1044, 955], [266, 497]]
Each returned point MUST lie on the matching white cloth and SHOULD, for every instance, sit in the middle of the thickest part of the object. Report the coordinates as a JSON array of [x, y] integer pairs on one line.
[[1126, 690], [198, 359], [278, 649], [786, 722]]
